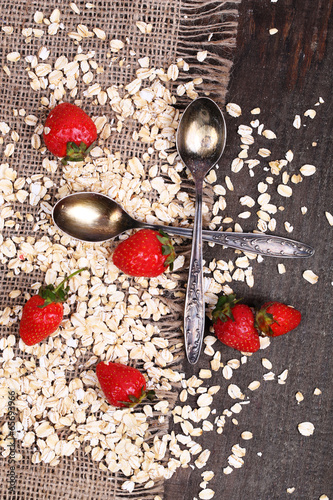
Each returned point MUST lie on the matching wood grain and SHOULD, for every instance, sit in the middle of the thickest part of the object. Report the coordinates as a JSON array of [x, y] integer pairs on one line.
[[283, 74]]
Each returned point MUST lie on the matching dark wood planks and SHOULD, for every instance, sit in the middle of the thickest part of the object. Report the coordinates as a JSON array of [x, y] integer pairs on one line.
[[284, 75]]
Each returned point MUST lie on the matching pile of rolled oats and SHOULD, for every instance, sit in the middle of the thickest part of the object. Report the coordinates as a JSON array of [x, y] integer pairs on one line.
[[108, 315]]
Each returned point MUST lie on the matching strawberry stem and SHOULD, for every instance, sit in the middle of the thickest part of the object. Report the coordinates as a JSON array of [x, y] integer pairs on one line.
[[167, 249], [68, 278], [75, 152], [223, 308], [56, 295]]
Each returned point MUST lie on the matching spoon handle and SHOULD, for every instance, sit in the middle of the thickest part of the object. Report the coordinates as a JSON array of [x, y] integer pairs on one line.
[[263, 244], [194, 313]]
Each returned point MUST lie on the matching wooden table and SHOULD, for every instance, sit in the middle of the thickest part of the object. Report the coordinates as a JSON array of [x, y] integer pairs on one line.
[[284, 74]]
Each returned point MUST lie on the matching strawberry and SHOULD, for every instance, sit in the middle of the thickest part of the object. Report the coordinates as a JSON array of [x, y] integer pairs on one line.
[[123, 386], [69, 132], [234, 324], [146, 253], [276, 319], [43, 313]]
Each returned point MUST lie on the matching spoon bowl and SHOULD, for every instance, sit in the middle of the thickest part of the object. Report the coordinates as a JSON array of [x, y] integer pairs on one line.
[[201, 136], [91, 217]]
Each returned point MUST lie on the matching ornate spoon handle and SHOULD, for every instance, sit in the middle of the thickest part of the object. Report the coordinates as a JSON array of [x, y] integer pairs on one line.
[[194, 313], [263, 244]]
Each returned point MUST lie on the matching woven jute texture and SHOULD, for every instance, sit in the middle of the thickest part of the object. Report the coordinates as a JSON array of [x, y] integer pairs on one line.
[[179, 30]]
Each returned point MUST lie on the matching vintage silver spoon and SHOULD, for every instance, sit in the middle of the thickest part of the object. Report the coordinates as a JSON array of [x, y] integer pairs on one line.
[[200, 141], [94, 217]]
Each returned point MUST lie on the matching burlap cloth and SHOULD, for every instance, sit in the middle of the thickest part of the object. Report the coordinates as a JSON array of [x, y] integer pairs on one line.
[[180, 29]]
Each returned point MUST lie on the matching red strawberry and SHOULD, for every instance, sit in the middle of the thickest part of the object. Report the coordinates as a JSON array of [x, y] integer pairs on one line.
[[123, 386], [234, 324], [43, 313], [276, 319], [146, 253], [69, 132]]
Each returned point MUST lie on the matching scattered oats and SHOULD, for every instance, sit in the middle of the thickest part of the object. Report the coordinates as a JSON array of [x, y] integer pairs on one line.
[[310, 112], [246, 435], [269, 376], [99, 33], [8, 29], [208, 475], [236, 408], [233, 109], [266, 363], [173, 72], [323, 497], [306, 428], [310, 276], [13, 56], [237, 165], [144, 62], [289, 155], [304, 210], [253, 386], [262, 187], [269, 134], [272, 224], [235, 392], [317, 392], [31, 120], [202, 459], [264, 152], [227, 470], [307, 170], [255, 111], [201, 55], [229, 184], [116, 45], [288, 227], [281, 268], [205, 374], [9, 150], [297, 121], [227, 372], [204, 400], [264, 342], [243, 154], [247, 201], [74, 7], [299, 397], [329, 217], [144, 27], [206, 494], [244, 130], [283, 376], [284, 190], [290, 490], [273, 31], [244, 215], [235, 461], [252, 163], [296, 179]]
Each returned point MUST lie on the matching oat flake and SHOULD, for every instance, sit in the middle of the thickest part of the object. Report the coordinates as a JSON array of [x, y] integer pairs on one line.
[[306, 428], [310, 276]]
